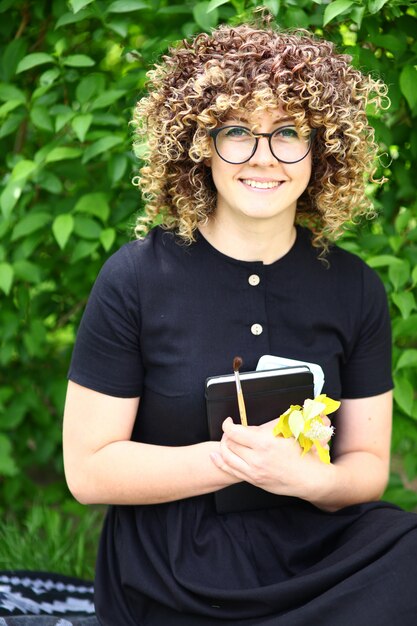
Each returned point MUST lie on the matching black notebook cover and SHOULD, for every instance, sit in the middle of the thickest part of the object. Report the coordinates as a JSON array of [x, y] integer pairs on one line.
[[267, 394]]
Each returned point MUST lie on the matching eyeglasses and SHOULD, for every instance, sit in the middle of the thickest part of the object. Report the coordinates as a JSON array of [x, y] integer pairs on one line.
[[238, 144]]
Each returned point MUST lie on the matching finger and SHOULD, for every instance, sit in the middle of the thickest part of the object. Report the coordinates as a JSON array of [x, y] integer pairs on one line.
[[326, 421], [219, 462], [244, 435], [233, 467]]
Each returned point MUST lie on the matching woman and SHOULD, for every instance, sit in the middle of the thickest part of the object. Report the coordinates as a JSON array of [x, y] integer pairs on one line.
[[253, 135]]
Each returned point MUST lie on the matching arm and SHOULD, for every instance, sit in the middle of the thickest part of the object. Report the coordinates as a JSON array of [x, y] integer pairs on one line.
[[103, 466], [361, 453]]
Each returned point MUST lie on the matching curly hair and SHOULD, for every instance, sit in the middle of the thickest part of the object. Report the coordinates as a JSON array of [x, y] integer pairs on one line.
[[201, 82]]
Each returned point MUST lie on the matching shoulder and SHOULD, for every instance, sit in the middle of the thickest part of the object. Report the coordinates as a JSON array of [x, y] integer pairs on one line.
[[343, 266], [355, 271], [133, 255]]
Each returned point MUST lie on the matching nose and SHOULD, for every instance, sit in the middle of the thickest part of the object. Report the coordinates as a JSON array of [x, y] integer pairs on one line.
[[263, 155]]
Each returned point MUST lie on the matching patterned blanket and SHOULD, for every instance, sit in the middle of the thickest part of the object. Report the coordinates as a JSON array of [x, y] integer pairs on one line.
[[45, 599]]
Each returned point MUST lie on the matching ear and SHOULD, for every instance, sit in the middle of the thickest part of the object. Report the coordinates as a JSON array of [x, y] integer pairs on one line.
[[207, 162]]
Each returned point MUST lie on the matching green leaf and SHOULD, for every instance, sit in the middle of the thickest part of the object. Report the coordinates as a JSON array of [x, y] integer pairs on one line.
[[295, 15], [8, 465], [213, 4], [407, 359], [62, 153], [205, 19], [33, 60], [334, 9], [27, 271], [34, 339], [107, 98], [10, 196], [86, 227], [40, 118], [9, 106], [403, 219], [73, 18], [81, 124], [78, 60], [77, 5], [12, 55], [5, 5], [12, 123], [396, 44], [405, 301], [10, 92], [88, 86], [399, 273], [119, 26], [6, 277], [273, 6], [404, 329], [49, 77], [126, 6], [50, 182], [117, 167], [62, 227], [62, 120], [376, 5], [94, 204], [83, 249], [414, 276], [29, 224], [404, 393], [107, 238], [23, 169], [101, 145], [383, 260], [408, 82]]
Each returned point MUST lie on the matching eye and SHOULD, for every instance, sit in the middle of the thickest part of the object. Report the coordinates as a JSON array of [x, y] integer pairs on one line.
[[237, 132], [287, 133]]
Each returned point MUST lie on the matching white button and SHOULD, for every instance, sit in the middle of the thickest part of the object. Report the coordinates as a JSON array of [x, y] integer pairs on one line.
[[254, 280], [256, 329]]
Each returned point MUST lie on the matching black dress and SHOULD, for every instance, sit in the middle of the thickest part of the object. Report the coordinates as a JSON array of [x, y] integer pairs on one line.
[[161, 318]]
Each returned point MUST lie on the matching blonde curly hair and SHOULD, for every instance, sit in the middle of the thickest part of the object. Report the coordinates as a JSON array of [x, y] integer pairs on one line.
[[203, 81]]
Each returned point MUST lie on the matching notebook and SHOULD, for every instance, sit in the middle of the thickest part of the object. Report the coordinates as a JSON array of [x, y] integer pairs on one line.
[[267, 393]]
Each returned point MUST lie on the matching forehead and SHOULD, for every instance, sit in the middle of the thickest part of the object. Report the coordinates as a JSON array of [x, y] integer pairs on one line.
[[259, 118]]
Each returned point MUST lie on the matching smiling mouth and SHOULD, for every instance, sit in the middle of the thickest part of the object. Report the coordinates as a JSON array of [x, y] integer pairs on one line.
[[257, 184]]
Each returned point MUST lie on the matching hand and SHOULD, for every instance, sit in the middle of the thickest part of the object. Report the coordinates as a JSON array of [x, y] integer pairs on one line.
[[255, 455]]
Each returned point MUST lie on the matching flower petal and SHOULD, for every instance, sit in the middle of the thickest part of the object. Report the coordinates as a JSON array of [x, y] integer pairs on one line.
[[296, 423], [323, 453], [312, 408], [306, 443], [330, 405], [281, 427]]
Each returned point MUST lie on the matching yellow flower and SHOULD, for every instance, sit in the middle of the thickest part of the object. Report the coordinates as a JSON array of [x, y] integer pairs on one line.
[[306, 424]]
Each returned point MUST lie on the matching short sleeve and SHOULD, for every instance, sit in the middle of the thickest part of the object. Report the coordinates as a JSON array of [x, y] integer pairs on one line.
[[367, 371], [106, 355]]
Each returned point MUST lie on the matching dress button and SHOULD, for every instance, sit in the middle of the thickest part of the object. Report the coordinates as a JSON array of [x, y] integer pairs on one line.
[[256, 329], [254, 280]]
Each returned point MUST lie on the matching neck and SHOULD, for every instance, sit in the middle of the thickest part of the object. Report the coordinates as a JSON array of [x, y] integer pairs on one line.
[[250, 242]]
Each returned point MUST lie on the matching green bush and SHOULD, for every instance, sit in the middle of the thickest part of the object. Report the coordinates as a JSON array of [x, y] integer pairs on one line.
[[69, 76]]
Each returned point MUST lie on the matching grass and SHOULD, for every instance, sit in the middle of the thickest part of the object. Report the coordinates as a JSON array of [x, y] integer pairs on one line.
[[52, 540]]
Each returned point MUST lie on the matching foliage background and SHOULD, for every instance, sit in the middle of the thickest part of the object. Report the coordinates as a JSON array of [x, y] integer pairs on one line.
[[69, 76]]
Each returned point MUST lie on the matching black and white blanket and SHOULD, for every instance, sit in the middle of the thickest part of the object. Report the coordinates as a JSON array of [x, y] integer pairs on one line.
[[45, 599]]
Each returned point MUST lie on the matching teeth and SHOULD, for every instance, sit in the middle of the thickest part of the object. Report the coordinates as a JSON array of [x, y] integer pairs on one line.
[[256, 184]]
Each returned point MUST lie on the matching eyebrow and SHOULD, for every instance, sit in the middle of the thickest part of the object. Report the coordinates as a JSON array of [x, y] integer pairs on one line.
[[240, 118]]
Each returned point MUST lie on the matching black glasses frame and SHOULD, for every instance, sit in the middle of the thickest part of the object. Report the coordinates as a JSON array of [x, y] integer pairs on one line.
[[215, 131]]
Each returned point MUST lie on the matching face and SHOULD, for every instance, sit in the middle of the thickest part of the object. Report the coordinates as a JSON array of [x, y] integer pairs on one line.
[[262, 188]]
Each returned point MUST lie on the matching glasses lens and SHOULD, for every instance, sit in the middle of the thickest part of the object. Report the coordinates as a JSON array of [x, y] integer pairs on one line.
[[235, 144], [288, 145]]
